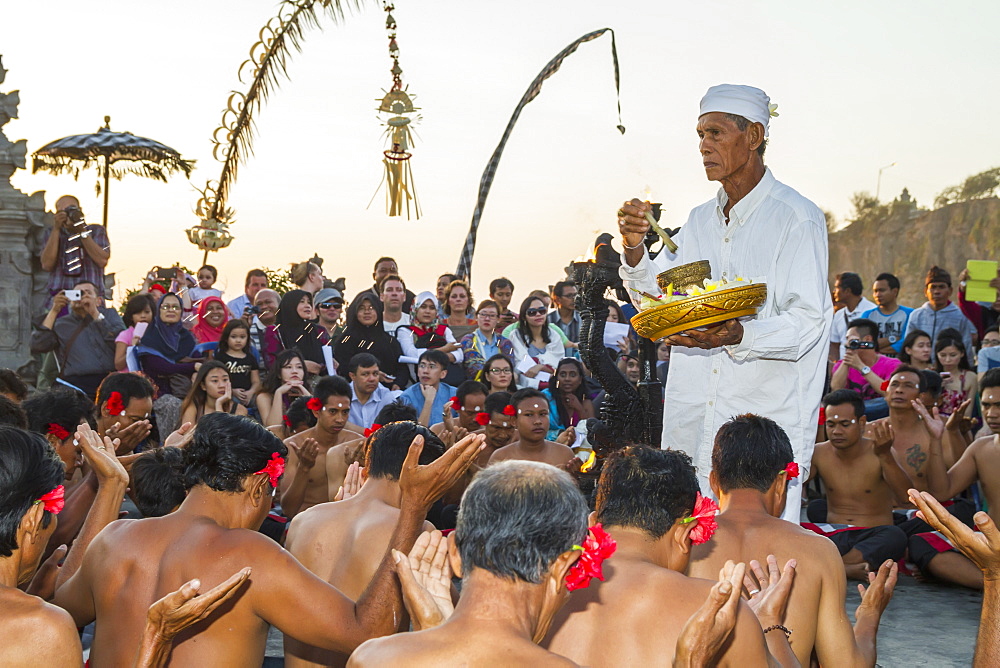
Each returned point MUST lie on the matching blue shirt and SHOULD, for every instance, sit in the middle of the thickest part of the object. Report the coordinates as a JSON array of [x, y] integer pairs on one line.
[[892, 326], [412, 396], [364, 415]]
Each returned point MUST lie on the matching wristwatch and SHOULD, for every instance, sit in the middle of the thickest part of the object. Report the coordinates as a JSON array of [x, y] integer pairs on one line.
[[865, 370]]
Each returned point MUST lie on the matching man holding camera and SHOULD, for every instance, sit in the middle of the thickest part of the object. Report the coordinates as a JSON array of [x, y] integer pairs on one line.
[[74, 251], [863, 368], [83, 340]]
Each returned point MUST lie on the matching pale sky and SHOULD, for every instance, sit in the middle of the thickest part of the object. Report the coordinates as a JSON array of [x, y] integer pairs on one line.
[[859, 85]]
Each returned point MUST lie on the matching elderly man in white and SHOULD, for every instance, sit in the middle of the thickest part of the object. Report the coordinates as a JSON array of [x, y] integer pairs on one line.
[[757, 228]]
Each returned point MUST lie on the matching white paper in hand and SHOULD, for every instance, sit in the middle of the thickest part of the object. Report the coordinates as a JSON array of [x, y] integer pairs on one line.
[[328, 358], [613, 333]]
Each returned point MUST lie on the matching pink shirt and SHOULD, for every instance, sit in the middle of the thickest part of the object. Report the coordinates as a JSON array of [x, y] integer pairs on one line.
[[883, 368]]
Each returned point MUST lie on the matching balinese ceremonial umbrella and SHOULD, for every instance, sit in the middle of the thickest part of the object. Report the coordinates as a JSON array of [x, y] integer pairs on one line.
[[115, 154]]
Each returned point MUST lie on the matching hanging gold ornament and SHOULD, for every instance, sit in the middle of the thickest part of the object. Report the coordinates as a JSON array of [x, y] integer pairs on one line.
[[398, 104]]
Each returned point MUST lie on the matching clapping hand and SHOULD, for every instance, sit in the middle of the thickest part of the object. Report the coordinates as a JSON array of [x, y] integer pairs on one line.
[[425, 576], [768, 591], [982, 547], [306, 453], [352, 483], [932, 420], [708, 628], [881, 434]]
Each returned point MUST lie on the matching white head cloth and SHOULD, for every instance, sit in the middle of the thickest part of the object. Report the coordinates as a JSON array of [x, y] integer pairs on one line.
[[751, 103], [424, 296]]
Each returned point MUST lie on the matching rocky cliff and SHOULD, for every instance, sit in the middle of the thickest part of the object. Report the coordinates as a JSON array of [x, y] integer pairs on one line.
[[908, 242]]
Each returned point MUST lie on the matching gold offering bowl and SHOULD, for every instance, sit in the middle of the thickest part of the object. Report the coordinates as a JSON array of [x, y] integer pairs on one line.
[[685, 277], [700, 311]]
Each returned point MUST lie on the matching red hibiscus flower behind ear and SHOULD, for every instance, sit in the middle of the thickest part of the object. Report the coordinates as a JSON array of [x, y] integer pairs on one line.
[[314, 404], [53, 501], [273, 469], [114, 404], [372, 429], [483, 419], [509, 410], [455, 404], [287, 420], [597, 547], [58, 431], [822, 416], [792, 470], [703, 516], [885, 385]]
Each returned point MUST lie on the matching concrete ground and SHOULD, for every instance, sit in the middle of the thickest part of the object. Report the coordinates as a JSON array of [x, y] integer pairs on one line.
[[924, 625]]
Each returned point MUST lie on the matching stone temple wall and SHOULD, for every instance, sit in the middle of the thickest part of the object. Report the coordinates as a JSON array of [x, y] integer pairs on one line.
[[23, 221]]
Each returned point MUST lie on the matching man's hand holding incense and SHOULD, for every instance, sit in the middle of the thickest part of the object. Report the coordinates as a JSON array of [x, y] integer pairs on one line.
[[632, 223]]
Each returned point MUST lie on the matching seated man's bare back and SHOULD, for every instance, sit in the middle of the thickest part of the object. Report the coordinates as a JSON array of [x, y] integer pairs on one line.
[[235, 465], [643, 497], [752, 501], [343, 543]]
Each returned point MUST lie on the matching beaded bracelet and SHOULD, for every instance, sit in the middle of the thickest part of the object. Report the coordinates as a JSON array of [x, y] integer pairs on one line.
[[784, 629]]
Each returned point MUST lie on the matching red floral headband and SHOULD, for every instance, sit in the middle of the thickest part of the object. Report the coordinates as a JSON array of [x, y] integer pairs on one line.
[[54, 501], [705, 510], [314, 404], [114, 404], [597, 547], [58, 431], [792, 469], [371, 430], [274, 468]]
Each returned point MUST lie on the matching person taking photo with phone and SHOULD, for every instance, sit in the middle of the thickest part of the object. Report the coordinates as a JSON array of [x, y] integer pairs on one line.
[[83, 340]]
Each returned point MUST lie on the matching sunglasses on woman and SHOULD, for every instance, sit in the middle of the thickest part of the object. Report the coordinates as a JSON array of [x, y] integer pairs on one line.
[[535, 311]]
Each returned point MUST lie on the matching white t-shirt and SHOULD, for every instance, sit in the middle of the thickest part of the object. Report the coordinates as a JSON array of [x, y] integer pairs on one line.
[[838, 333], [391, 327]]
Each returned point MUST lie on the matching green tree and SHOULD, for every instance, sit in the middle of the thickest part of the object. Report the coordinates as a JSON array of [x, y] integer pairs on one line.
[[279, 280], [977, 186], [866, 208]]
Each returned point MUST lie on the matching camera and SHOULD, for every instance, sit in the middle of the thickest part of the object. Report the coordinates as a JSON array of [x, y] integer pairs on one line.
[[74, 214], [72, 295], [857, 344], [255, 310]]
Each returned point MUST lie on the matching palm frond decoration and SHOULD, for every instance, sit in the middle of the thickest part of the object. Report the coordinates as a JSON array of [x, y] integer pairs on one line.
[[265, 68]]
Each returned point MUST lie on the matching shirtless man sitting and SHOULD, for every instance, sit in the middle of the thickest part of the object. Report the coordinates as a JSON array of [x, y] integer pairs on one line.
[[35, 632], [233, 465], [643, 498], [500, 426], [305, 484], [532, 422], [980, 461], [862, 481], [471, 396], [344, 542], [513, 548], [340, 457], [749, 477]]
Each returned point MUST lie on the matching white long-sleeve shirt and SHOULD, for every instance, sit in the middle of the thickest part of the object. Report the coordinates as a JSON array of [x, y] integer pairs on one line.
[[405, 337], [777, 236]]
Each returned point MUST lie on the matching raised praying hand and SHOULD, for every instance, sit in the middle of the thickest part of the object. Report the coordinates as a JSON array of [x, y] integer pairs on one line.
[[425, 577]]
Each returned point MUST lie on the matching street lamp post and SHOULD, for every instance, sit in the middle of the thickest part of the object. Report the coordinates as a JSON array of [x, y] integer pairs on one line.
[[878, 184]]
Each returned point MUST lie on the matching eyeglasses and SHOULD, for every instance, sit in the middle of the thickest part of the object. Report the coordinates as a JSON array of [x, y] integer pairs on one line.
[[330, 305], [498, 370], [364, 308], [531, 312], [989, 343], [485, 314], [170, 307]]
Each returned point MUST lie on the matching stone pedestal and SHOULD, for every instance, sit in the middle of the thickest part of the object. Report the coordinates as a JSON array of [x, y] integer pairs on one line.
[[23, 221]]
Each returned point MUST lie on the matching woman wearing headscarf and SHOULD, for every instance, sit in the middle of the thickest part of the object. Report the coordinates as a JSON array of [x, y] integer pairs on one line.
[[165, 356], [364, 334], [211, 320], [294, 327]]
